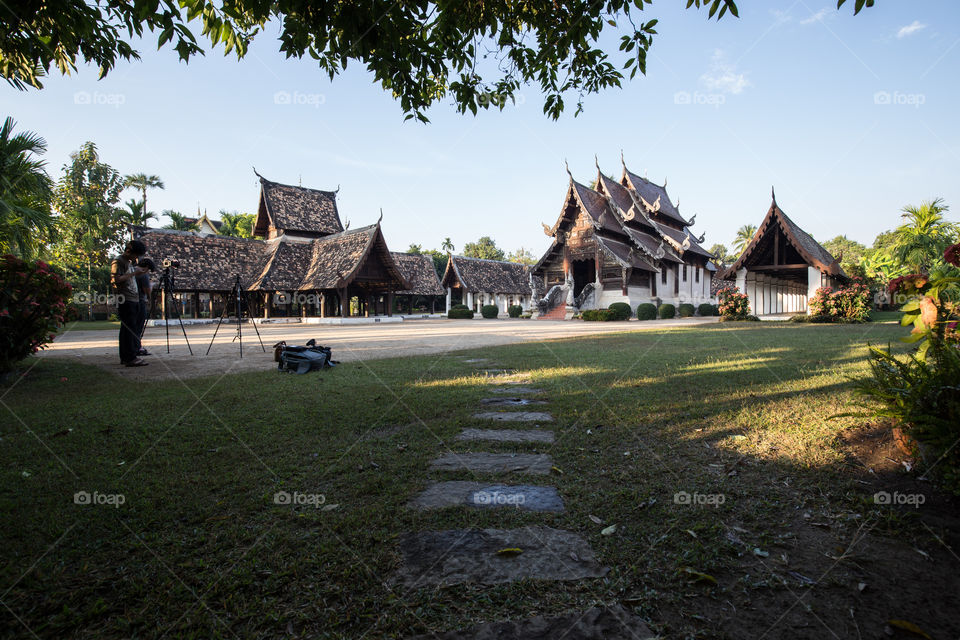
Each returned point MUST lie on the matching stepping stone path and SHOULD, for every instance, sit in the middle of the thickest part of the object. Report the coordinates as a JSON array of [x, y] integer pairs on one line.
[[510, 402], [486, 496], [457, 556], [496, 556], [532, 463], [507, 435], [599, 623], [515, 416]]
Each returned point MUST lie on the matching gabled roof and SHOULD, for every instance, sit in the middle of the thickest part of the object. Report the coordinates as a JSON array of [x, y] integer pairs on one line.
[[491, 276], [337, 259], [624, 254], [419, 272], [809, 249], [296, 210], [207, 262], [651, 193]]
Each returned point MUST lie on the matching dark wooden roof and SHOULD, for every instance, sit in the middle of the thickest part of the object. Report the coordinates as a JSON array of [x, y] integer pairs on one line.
[[492, 276], [809, 250], [296, 210], [651, 193], [624, 254], [211, 263], [418, 270]]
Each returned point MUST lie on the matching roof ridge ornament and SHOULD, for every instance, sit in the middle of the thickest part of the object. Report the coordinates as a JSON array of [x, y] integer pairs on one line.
[[703, 236], [257, 174], [546, 229], [596, 162], [773, 194], [567, 165], [381, 216], [692, 218], [661, 251]]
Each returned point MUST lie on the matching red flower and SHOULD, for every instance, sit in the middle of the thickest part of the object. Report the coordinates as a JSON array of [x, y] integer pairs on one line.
[[952, 254]]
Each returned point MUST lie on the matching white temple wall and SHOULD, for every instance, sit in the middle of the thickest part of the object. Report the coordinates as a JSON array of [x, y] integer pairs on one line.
[[771, 295]]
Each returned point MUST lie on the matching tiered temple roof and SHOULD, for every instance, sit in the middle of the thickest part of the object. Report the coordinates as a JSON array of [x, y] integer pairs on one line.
[[296, 210], [492, 276], [419, 272], [634, 221]]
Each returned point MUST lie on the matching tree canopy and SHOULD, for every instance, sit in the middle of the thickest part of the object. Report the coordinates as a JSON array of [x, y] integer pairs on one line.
[[485, 248], [477, 53], [25, 191]]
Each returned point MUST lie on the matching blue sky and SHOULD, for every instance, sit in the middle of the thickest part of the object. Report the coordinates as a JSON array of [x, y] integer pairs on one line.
[[850, 118]]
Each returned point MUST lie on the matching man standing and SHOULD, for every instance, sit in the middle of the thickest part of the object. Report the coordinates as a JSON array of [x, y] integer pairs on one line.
[[145, 288], [124, 278]]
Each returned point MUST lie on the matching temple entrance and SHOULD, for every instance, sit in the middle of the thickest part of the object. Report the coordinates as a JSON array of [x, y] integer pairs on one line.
[[584, 273]]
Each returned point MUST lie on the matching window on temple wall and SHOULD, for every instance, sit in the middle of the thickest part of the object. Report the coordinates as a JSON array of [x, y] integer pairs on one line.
[[663, 275], [653, 284], [696, 274], [684, 273], [676, 279]]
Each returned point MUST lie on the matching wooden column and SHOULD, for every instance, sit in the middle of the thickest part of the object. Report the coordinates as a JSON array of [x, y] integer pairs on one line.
[[390, 303], [266, 304], [344, 304]]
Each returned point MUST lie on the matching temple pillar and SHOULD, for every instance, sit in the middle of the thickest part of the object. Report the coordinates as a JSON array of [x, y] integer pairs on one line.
[[470, 300], [390, 303], [449, 297], [266, 305]]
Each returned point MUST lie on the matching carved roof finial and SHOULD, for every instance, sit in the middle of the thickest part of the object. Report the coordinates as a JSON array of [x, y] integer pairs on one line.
[[596, 162], [337, 190], [773, 194], [664, 182], [567, 165], [622, 161], [381, 216], [257, 174]]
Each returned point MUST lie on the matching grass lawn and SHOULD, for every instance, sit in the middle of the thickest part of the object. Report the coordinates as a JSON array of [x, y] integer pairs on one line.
[[92, 325], [199, 549], [885, 316]]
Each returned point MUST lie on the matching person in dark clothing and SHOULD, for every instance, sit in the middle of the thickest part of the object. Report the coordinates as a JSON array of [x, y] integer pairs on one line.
[[144, 287], [123, 275]]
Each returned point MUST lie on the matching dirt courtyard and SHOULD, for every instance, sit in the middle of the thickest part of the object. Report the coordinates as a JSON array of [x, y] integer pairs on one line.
[[349, 342]]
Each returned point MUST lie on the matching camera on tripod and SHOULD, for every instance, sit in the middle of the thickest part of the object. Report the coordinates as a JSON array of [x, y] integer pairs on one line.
[[168, 263]]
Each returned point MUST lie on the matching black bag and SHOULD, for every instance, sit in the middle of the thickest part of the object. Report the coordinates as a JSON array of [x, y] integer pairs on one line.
[[297, 359]]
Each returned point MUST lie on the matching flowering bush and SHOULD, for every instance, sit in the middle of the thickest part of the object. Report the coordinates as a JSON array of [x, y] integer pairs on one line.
[[733, 304], [33, 304], [846, 304]]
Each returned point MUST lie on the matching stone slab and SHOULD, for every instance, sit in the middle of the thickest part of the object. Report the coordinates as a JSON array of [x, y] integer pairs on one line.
[[476, 361], [516, 390], [458, 556], [515, 416], [510, 402], [488, 496], [598, 623], [498, 372], [507, 435], [532, 463]]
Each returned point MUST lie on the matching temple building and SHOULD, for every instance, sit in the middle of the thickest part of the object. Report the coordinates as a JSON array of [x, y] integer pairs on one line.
[[782, 266], [308, 265], [476, 282], [622, 241]]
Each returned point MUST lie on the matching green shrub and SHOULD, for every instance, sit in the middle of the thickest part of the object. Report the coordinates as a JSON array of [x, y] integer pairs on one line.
[[646, 311], [705, 309], [685, 310], [514, 311], [599, 315], [459, 312], [667, 311], [733, 304], [621, 310], [33, 305], [489, 311], [739, 319], [459, 306]]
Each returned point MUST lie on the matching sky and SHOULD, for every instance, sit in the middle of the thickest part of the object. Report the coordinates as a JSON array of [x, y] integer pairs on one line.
[[848, 117]]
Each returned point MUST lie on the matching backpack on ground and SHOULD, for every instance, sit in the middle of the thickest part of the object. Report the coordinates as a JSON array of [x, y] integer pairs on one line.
[[300, 360]]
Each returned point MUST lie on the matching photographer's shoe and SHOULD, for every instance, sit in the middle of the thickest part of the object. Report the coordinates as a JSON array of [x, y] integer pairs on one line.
[[144, 352]]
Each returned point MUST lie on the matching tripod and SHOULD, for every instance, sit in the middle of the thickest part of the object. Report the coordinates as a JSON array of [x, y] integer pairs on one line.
[[166, 288], [238, 297]]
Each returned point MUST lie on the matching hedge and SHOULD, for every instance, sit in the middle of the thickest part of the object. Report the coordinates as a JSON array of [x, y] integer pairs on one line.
[[621, 310], [514, 311], [599, 315], [667, 311], [705, 309], [646, 311], [459, 306], [685, 310], [459, 312], [489, 311]]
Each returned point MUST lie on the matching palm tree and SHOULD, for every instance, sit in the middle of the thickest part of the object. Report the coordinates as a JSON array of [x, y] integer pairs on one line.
[[25, 191], [921, 241], [744, 236], [135, 214], [447, 245], [178, 221], [143, 182]]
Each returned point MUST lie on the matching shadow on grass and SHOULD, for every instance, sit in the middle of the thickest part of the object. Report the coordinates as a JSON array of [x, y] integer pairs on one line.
[[201, 547]]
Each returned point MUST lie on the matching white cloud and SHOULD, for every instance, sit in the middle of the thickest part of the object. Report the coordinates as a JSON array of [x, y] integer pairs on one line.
[[780, 17], [722, 76], [910, 29], [816, 17]]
